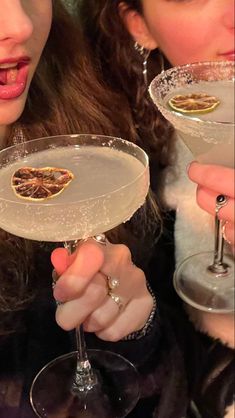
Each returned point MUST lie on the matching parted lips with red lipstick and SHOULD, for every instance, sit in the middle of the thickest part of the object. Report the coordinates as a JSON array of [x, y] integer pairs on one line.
[[13, 77]]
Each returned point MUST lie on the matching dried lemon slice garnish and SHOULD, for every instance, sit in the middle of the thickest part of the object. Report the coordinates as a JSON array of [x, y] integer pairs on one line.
[[40, 183], [193, 103]]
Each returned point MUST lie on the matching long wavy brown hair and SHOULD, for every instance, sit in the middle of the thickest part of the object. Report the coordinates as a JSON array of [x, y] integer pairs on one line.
[[122, 69], [65, 96]]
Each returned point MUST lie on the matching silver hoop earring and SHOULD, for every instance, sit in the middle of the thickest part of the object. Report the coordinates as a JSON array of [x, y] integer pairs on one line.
[[144, 53]]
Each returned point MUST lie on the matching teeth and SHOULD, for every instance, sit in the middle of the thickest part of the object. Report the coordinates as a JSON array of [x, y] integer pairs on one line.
[[11, 76], [4, 66]]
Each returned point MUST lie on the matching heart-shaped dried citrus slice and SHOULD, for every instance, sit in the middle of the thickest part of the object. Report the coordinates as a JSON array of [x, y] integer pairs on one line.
[[40, 183], [193, 103]]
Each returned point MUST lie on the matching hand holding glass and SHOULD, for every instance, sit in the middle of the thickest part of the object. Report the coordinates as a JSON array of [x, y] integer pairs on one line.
[[111, 180], [204, 280]]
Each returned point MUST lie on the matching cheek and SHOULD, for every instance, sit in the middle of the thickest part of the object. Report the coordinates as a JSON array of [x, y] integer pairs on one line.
[[181, 43], [42, 26], [44, 30]]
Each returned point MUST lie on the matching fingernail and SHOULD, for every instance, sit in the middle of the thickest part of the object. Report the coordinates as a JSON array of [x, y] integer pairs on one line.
[[190, 165]]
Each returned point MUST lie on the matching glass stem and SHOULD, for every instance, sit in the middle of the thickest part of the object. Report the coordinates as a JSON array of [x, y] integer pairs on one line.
[[85, 378], [218, 267]]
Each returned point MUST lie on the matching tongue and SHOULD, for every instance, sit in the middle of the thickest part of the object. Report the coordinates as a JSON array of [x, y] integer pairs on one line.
[[3, 76]]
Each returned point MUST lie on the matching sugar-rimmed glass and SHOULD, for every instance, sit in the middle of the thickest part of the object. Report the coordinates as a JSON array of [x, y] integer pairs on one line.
[[111, 180], [204, 280]]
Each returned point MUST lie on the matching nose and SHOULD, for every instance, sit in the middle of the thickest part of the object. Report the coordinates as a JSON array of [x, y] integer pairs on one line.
[[229, 13], [15, 23]]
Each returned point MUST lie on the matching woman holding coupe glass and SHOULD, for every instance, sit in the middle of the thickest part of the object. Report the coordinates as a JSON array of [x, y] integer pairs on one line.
[[61, 83]]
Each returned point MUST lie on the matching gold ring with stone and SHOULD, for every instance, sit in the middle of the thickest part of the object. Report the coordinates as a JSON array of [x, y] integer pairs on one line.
[[117, 299], [112, 282]]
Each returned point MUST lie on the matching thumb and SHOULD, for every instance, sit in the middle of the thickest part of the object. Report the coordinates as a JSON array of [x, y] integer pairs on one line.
[[61, 260]]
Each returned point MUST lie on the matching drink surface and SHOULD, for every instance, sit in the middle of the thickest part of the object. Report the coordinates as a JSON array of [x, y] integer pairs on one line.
[[222, 89], [108, 187], [209, 144]]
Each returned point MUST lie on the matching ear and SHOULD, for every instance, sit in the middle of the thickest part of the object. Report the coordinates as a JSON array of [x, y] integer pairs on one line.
[[136, 26]]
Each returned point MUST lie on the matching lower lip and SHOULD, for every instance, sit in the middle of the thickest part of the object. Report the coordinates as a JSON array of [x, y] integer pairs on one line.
[[9, 92], [229, 57]]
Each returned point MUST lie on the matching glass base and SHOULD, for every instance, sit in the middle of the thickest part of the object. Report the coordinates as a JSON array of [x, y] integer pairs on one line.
[[114, 396], [197, 285]]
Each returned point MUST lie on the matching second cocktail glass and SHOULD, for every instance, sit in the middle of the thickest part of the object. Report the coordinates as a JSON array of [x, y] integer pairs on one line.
[[110, 180], [198, 99]]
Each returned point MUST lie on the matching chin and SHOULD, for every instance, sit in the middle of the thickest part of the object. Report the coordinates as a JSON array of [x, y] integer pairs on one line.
[[11, 110]]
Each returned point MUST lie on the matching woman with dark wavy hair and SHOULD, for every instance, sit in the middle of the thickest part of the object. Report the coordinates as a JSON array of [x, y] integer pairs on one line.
[[132, 41]]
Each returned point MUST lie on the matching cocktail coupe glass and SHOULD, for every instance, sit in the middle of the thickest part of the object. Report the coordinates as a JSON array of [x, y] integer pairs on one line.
[[204, 280], [111, 180]]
